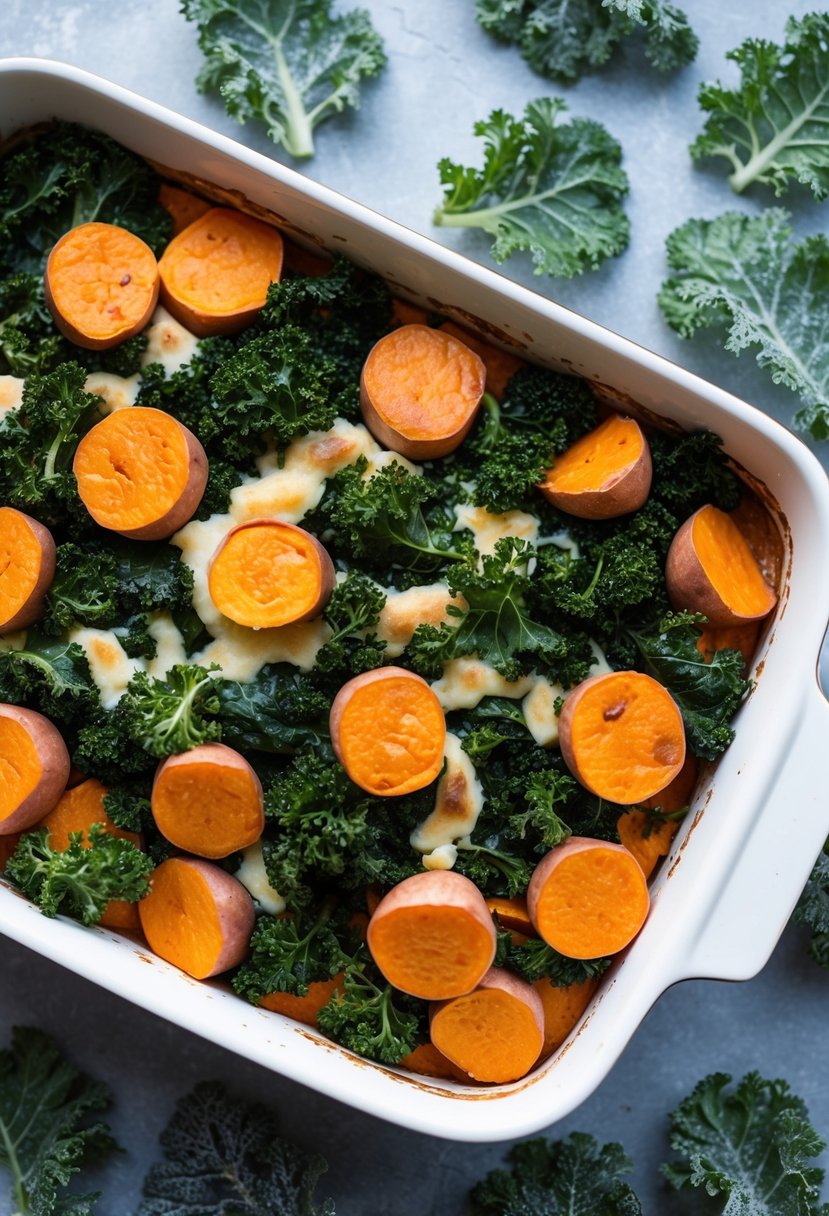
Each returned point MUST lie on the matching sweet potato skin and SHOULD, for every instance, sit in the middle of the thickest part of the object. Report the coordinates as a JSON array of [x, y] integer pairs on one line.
[[32, 609], [206, 753], [619, 495], [54, 762], [690, 588]]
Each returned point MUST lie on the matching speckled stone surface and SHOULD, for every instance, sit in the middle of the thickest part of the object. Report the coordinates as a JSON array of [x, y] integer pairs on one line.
[[444, 73]]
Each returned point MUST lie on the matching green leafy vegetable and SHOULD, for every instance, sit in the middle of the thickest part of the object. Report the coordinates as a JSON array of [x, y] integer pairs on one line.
[[369, 1016], [83, 591], [28, 339], [279, 710], [813, 909], [287, 955], [571, 1177], [752, 1145], [46, 1131], [352, 610], [746, 277], [172, 715], [228, 1158], [289, 63], [80, 881], [50, 676], [772, 129], [534, 960], [554, 190]]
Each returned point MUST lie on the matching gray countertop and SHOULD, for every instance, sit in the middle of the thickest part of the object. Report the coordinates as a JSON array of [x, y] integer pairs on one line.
[[443, 74]]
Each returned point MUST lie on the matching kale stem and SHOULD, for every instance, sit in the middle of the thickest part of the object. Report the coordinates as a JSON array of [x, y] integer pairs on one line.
[[13, 1166]]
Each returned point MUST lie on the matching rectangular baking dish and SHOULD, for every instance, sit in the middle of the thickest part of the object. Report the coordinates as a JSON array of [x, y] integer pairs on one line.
[[725, 893]]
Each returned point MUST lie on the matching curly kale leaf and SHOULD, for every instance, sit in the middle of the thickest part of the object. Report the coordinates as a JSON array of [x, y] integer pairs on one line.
[[82, 879], [370, 1017], [772, 129], [813, 909], [288, 954], [749, 280], [172, 715], [46, 1131], [545, 792], [52, 677], [83, 592], [292, 65], [353, 609], [752, 1145], [28, 339], [279, 710], [228, 1158], [707, 693], [552, 189], [690, 470], [535, 959], [151, 577], [571, 1177], [129, 807]]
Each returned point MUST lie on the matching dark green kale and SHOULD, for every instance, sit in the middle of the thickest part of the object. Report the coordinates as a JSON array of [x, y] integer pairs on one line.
[[690, 470], [49, 1126], [545, 793], [813, 909], [186, 393], [535, 959], [571, 1177], [279, 710], [707, 693], [151, 577], [84, 590], [228, 1158], [172, 715], [289, 953], [370, 1017], [104, 747], [52, 677], [352, 611], [81, 880], [29, 341], [128, 806], [72, 175]]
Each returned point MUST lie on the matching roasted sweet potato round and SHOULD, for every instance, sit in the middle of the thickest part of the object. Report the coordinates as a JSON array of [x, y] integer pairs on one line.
[[34, 768], [208, 801], [604, 474], [494, 1033], [27, 567]]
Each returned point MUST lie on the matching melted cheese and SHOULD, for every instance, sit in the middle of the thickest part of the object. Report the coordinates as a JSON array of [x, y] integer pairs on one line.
[[403, 611], [241, 652], [13, 641], [169, 645], [253, 876], [110, 666], [488, 529], [117, 392], [538, 708], [168, 342], [441, 858], [600, 665], [465, 682], [11, 393], [458, 803]]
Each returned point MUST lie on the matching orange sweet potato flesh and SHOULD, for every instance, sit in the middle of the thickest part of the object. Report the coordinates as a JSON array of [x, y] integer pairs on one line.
[[182, 206], [649, 837], [622, 736], [501, 365], [427, 1061], [215, 274], [388, 731], [140, 473], [494, 1033], [101, 285], [197, 917], [27, 567], [304, 1008], [432, 935], [729, 637], [588, 898], [512, 913], [208, 801], [562, 1009], [604, 474], [76, 811], [711, 569], [266, 573], [34, 767], [420, 390]]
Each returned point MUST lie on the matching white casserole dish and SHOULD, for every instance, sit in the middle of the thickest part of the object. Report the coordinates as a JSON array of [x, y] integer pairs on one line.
[[724, 895]]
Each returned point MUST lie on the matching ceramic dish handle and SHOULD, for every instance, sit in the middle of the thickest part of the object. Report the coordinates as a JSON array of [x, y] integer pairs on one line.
[[763, 886]]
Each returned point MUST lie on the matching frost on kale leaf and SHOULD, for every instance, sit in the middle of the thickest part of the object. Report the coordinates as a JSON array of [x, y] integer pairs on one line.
[[228, 1158], [813, 908], [773, 128], [562, 39], [47, 1133], [750, 280], [553, 189], [289, 63], [752, 1144]]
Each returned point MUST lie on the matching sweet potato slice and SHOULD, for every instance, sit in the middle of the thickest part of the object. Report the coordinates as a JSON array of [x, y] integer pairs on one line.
[[27, 567], [304, 1008], [77, 810], [34, 768], [432, 935], [562, 1009], [197, 917], [588, 898], [730, 637], [512, 914], [208, 801], [420, 390], [215, 274], [622, 736], [140, 473], [604, 474], [101, 285], [711, 569], [494, 1033], [427, 1061], [183, 207], [649, 837], [266, 573], [388, 731]]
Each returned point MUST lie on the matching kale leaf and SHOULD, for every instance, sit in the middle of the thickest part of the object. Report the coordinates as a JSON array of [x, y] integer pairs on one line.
[[534, 959], [752, 1145], [28, 339], [571, 1177], [83, 591], [353, 609], [279, 710], [370, 1017], [52, 677], [151, 577], [813, 909], [228, 1158], [747, 278], [46, 1132], [552, 189], [289, 953], [292, 65], [772, 129], [82, 879], [172, 715]]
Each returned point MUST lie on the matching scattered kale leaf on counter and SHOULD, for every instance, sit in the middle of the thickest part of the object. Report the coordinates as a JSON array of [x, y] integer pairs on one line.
[[49, 1126], [813, 908], [562, 39], [749, 280], [772, 129], [553, 189], [289, 64], [228, 1158]]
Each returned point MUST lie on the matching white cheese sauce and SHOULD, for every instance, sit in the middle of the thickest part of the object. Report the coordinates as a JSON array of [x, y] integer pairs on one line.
[[116, 392], [458, 803], [488, 529], [403, 611], [109, 664], [254, 877], [11, 393], [168, 342]]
